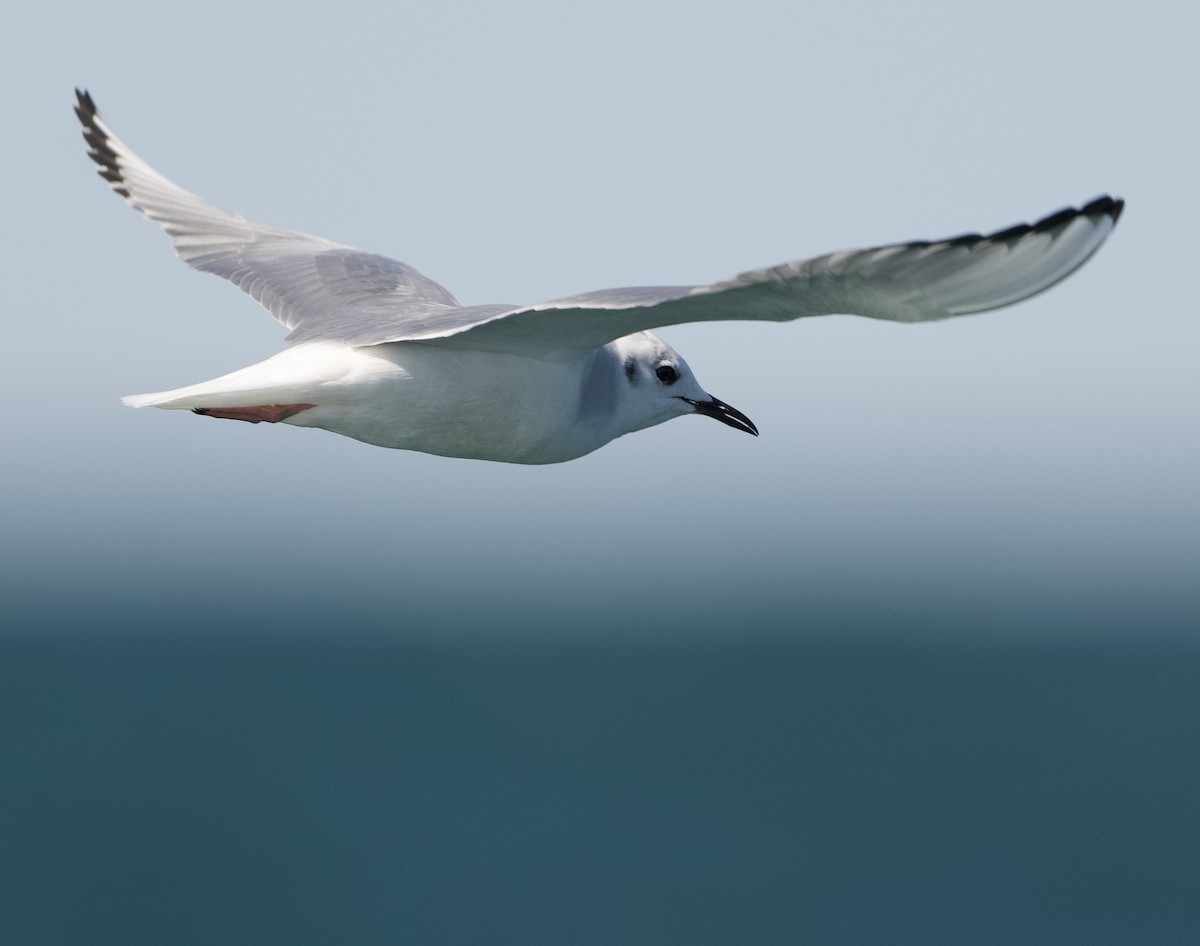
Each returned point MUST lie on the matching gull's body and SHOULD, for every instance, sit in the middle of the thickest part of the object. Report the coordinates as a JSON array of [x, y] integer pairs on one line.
[[382, 354], [422, 396]]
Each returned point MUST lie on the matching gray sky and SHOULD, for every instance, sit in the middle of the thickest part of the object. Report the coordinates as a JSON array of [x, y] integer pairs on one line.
[[1031, 469]]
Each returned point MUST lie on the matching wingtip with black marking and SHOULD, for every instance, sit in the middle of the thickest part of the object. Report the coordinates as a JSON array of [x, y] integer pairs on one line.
[[85, 106], [100, 149], [1102, 206]]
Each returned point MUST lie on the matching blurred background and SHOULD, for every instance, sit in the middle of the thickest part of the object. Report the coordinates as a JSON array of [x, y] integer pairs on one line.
[[919, 663]]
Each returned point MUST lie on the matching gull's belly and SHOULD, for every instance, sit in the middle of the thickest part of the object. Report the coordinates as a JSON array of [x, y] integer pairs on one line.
[[454, 403]]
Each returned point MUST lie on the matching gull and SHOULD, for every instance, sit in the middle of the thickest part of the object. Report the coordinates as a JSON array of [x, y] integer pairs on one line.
[[385, 355]]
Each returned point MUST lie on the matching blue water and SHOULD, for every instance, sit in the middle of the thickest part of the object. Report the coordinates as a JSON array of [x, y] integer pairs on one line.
[[728, 791]]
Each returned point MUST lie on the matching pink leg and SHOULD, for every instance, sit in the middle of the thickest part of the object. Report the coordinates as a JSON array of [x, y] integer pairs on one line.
[[271, 413]]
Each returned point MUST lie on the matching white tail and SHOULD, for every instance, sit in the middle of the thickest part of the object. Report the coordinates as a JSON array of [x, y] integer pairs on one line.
[[293, 376]]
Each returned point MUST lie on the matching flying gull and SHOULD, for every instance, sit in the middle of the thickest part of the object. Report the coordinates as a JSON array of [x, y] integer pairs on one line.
[[381, 353]]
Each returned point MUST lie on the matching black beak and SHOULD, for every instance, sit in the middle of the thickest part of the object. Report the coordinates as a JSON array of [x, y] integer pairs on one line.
[[721, 411]]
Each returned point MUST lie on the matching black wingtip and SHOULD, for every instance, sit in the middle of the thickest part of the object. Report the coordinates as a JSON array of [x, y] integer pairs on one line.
[[99, 148], [85, 108], [1104, 206]]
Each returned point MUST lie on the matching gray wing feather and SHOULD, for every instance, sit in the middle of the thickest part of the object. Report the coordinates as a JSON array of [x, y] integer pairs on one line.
[[313, 286], [903, 282]]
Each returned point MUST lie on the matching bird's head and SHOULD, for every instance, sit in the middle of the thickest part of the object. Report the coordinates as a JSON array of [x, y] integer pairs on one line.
[[656, 384]]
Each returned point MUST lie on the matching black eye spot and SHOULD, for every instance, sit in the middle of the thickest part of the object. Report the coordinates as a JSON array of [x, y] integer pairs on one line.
[[667, 374], [631, 370]]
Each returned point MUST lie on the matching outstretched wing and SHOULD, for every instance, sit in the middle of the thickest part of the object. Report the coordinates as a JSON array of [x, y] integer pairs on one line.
[[903, 282], [307, 283]]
